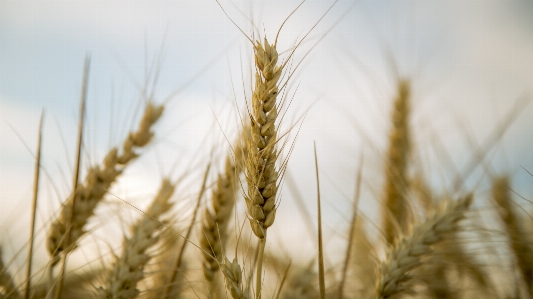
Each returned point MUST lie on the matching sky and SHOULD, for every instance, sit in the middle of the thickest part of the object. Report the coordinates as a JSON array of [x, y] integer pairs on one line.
[[470, 64]]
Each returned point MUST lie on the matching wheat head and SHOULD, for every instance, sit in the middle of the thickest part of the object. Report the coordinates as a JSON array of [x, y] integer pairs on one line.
[[395, 272], [395, 206], [233, 277], [98, 180], [515, 231], [216, 217], [261, 173], [128, 269]]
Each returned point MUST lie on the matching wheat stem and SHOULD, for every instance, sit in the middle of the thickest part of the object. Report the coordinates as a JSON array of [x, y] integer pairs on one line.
[[259, 266], [321, 278], [34, 207], [353, 225], [70, 213]]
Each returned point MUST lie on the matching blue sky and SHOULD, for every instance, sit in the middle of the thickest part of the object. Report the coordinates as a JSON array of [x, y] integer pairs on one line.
[[469, 61]]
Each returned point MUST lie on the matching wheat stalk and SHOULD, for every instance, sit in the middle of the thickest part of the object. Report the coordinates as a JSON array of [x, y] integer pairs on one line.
[[395, 208], [98, 180], [395, 272], [128, 269]]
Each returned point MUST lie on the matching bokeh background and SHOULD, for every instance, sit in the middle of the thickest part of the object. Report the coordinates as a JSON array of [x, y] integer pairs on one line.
[[470, 64]]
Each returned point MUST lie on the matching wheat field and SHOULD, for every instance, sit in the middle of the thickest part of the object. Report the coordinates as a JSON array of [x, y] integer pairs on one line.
[[260, 149]]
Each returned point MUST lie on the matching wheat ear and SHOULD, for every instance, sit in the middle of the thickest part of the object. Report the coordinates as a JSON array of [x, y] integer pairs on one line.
[[128, 269], [517, 237], [97, 182], [233, 277], [261, 173], [216, 217], [395, 272], [395, 206]]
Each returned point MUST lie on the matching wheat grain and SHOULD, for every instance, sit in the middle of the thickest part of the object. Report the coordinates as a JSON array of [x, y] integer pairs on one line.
[[395, 272], [128, 269], [97, 182]]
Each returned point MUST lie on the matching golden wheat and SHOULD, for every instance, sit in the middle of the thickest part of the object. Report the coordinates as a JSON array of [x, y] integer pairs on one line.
[[128, 269], [98, 180], [233, 277], [514, 230], [261, 173], [213, 233], [395, 272], [396, 208]]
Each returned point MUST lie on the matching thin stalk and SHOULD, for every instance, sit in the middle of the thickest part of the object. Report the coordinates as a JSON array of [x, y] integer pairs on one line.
[[180, 254], [320, 247], [253, 266], [76, 172], [260, 254], [352, 228], [34, 206]]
